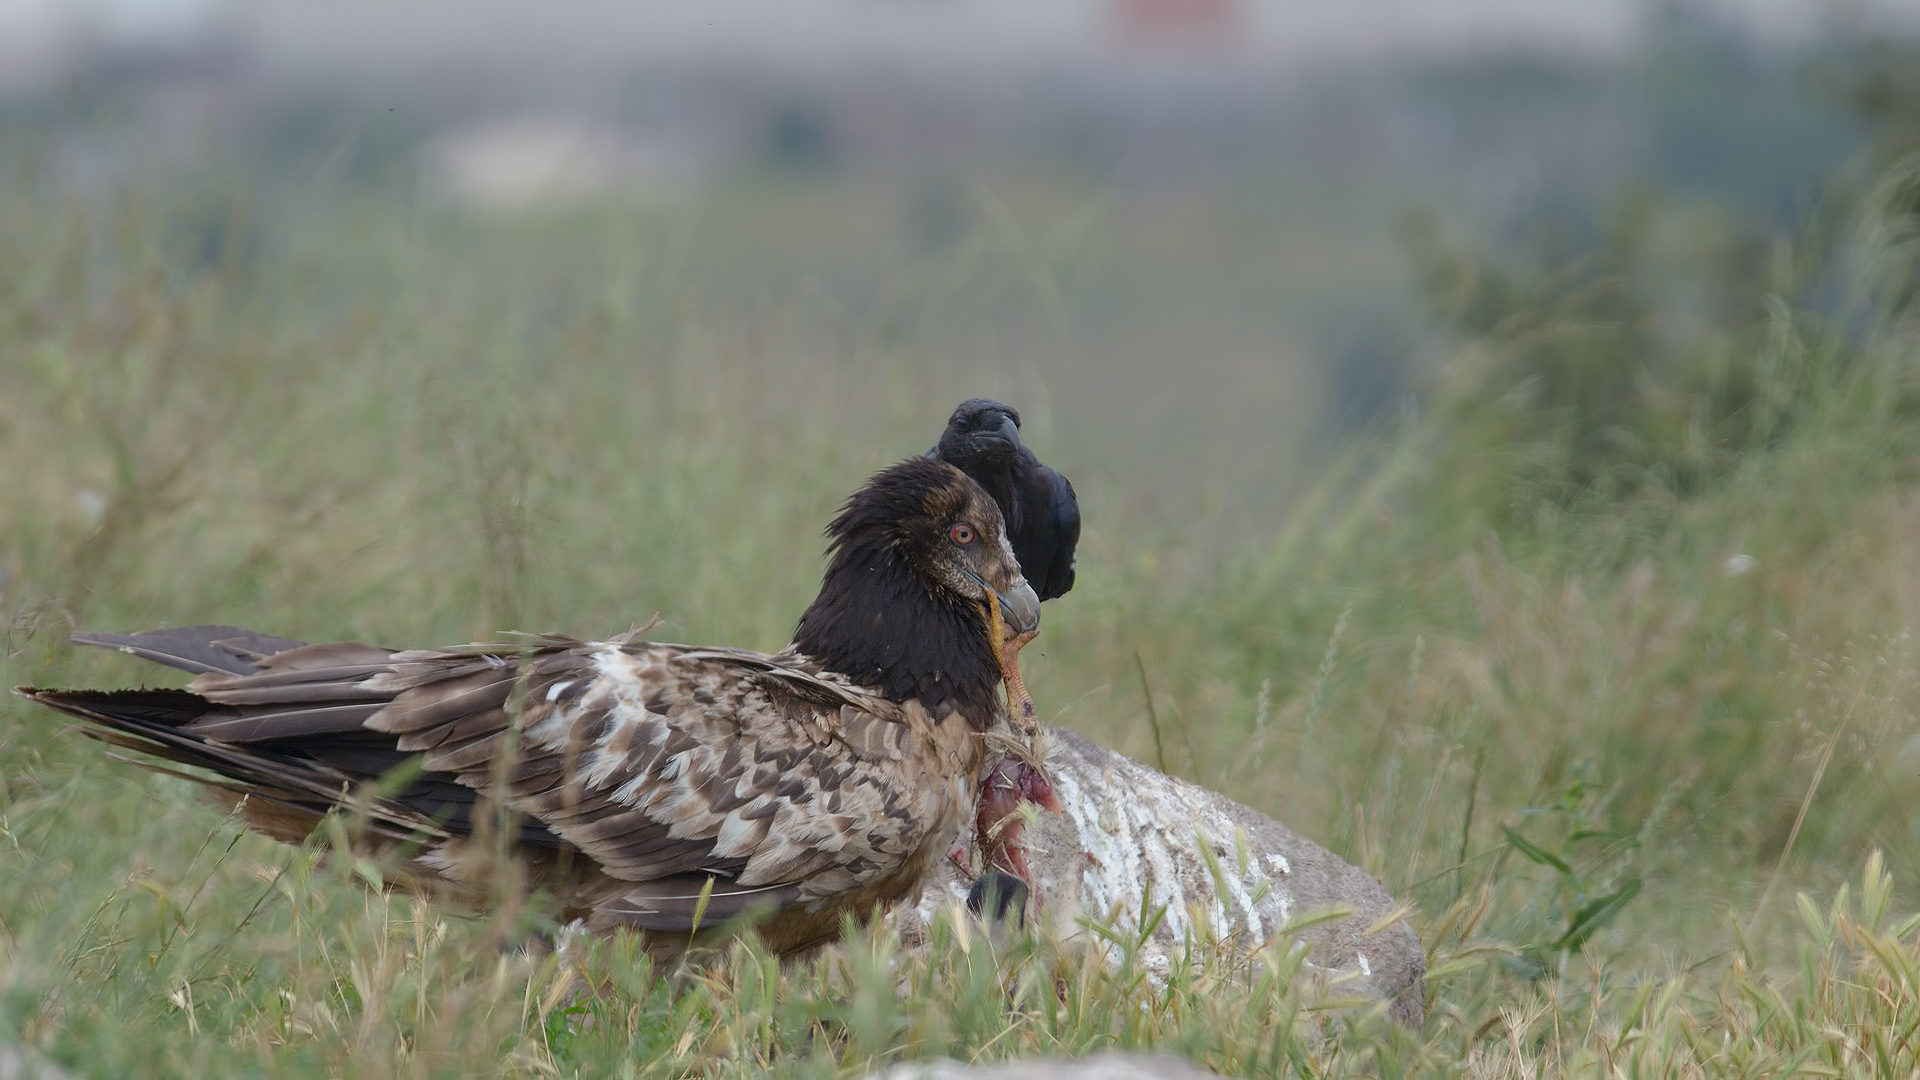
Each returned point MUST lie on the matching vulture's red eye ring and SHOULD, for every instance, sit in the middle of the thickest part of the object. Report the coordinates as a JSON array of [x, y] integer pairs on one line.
[[962, 534]]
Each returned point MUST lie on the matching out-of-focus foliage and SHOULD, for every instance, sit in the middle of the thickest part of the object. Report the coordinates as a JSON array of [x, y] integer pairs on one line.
[[1656, 350], [1878, 79], [1601, 659]]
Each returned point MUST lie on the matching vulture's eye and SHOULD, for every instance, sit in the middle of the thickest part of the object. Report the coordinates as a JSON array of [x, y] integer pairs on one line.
[[962, 534]]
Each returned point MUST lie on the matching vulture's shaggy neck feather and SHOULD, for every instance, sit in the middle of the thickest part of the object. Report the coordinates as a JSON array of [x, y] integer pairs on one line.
[[884, 621]]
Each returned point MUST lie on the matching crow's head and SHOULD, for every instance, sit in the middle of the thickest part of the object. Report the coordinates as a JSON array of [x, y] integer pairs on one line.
[[980, 430]]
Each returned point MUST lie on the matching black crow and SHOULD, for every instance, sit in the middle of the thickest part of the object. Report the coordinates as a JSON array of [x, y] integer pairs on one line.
[[1043, 517]]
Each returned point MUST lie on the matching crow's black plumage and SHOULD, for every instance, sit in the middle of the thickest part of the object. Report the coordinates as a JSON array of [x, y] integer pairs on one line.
[[999, 897], [1043, 516]]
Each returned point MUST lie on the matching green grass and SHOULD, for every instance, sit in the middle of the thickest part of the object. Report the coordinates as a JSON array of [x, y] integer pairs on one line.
[[1605, 774]]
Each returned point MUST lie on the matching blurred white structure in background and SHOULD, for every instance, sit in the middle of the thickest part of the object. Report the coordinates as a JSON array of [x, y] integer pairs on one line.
[[41, 40], [976, 35], [521, 161], [537, 100]]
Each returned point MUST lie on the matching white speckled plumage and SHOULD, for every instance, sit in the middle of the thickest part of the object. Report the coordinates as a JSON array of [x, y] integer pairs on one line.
[[1128, 831]]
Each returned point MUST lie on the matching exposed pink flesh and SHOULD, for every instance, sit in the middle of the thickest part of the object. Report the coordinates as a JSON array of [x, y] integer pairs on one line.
[[1037, 788], [998, 826], [1012, 857]]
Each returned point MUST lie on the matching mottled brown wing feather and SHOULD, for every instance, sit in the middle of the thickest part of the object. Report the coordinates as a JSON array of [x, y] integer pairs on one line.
[[659, 761], [670, 772]]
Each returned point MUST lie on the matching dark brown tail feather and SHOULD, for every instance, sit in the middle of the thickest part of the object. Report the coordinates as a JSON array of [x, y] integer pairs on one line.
[[300, 789], [280, 724], [287, 793], [199, 649]]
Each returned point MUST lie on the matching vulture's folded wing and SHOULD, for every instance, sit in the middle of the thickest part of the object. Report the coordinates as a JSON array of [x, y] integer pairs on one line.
[[664, 765]]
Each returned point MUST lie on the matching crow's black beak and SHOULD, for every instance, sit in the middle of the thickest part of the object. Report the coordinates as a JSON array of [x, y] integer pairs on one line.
[[996, 440], [1009, 430]]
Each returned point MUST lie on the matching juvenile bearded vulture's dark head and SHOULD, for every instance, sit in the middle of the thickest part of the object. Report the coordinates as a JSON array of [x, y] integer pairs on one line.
[[919, 562]]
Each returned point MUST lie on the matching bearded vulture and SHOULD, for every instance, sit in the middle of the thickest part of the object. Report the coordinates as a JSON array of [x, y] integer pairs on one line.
[[982, 439], [674, 790]]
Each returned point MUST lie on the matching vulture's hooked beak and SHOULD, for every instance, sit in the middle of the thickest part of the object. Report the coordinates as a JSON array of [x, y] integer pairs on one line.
[[1019, 609], [1013, 619]]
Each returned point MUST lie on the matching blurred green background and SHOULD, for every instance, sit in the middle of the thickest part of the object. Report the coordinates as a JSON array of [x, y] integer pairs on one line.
[[1497, 462]]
